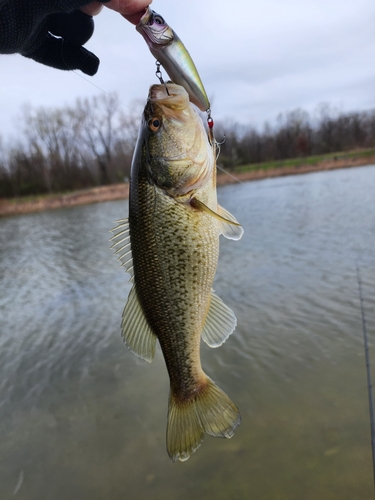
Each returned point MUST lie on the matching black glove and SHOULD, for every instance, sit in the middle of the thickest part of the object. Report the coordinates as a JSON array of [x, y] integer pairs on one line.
[[31, 28]]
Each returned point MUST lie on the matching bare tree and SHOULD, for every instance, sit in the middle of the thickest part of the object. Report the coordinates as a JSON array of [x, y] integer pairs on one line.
[[99, 120], [92, 142]]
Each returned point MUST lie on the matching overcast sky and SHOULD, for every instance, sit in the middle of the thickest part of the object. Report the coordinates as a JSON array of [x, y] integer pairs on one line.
[[256, 59]]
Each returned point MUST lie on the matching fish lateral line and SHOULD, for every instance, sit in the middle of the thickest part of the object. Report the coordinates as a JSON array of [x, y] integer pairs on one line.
[[199, 205]]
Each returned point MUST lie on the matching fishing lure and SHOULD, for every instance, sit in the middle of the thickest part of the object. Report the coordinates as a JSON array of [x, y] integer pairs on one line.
[[168, 50]]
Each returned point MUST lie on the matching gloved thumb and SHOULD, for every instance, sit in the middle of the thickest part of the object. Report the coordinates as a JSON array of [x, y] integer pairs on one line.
[[75, 27], [62, 54]]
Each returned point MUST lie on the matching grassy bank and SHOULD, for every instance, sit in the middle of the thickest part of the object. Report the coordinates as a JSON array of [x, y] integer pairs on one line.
[[256, 171], [364, 154]]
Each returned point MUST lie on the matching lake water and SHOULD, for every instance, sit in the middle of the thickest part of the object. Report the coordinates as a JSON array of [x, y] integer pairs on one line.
[[82, 418]]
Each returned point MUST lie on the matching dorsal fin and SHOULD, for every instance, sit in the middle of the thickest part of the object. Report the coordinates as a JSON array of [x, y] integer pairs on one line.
[[121, 240], [136, 332]]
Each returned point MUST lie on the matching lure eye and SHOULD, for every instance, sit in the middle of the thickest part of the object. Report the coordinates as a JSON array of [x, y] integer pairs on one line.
[[154, 124], [158, 20]]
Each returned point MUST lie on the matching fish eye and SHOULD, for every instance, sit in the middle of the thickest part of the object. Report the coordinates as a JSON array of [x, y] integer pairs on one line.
[[159, 20], [154, 124]]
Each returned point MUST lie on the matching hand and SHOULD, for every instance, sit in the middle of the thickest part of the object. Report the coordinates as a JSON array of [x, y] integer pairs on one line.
[[132, 10], [52, 32]]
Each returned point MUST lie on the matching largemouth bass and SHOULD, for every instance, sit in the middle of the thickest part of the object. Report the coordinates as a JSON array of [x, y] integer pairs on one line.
[[166, 47], [170, 247]]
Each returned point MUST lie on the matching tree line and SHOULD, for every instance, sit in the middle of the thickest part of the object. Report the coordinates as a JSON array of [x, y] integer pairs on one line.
[[297, 134], [75, 147], [91, 143]]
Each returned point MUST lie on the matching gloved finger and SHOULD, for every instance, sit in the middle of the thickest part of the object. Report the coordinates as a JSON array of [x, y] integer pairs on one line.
[[75, 27], [67, 5], [57, 53]]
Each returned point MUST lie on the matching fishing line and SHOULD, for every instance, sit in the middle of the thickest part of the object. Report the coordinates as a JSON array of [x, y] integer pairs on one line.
[[94, 85], [86, 80], [368, 371], [158, 73], [230, 175]]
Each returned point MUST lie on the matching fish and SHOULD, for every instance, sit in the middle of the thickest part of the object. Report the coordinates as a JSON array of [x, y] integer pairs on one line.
[[170, 245], [168, 49]]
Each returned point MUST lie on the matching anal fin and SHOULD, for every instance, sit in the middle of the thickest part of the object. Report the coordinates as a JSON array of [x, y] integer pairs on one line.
[[220, 322]]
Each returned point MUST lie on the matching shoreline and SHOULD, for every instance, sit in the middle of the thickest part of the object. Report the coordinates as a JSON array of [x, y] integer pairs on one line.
[[324, 165], [19, 206]]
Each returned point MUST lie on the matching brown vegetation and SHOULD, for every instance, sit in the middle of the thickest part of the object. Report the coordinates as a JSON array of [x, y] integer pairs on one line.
[[113, 192], [87, 145], [296, 135], [91, 144], [19, 206]]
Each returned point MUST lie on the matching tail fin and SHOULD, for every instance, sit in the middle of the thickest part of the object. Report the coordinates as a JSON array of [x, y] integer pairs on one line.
[[210, 411]]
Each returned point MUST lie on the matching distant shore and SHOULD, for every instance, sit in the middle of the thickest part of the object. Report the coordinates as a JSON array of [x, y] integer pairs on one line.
[[258, 173], [17, 206]]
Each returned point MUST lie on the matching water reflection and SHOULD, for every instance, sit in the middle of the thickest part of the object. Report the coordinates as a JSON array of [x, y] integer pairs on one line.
[[80, 417]]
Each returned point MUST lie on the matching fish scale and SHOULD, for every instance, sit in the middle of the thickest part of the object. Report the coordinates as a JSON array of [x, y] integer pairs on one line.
[[173, 228], [174, 273]]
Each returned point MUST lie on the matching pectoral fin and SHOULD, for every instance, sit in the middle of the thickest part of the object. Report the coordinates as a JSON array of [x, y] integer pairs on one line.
[[229, 226], [136, 331], [220, 322]]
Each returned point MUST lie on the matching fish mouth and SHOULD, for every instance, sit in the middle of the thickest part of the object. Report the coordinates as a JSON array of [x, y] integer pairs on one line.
[[170, 103], [168, 91], [171, 100]]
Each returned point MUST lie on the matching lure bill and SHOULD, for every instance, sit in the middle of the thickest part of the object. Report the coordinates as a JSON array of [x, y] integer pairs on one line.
[[168, 49]]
